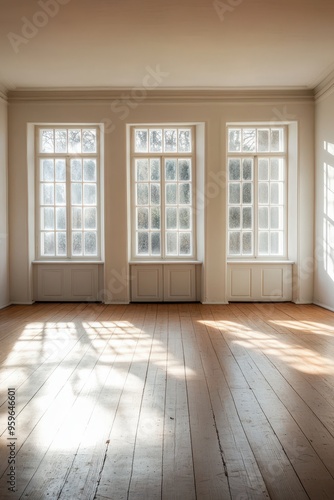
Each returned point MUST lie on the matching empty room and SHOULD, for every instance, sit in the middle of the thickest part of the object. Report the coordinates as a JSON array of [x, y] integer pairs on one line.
[[167, 249]]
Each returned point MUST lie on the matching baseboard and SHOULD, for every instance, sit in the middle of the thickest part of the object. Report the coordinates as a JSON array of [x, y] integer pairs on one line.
[[323, 306], [207, 303], [4, 307], [22, 303], [112, 303]]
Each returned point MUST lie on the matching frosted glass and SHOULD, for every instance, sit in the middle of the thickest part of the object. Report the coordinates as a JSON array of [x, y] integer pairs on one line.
[[61, 141], [90, 243], [60, 194], [142, 194], [155, 140], [76, 194], [61, 244], [155, 194], [247, 246], [155, 218], [234, 140], [155, 169], [61, 218], [141, 141], [47, 170], [248, 139], [263, 169], [263, 218], [76, 218], [60, 170], [184, 141], [263, 193], [47, 194], [142, 243], [142, 169], [184, 170], [47, 221], [171, 218], [142, 218], [47, 140], [89, 170], [184, 194], [184, 218], [234, 169], [247, 169], [77, 243], [90, 218], [263, 243], [171, 244], [185, 243], [74, 141], [263, 140], [171, 194], [89, 141], [247, 218], [155, 243], [234, 243], [48, 244], [76, 170], [234, 218], [247, 193], [234, 193], [170, 141], [170, 170]]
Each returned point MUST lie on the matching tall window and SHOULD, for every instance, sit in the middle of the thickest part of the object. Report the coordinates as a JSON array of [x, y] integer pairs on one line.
[[257, 172], [68, 192], [162, 175]]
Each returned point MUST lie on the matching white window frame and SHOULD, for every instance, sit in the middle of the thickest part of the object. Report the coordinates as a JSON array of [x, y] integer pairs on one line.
[[256, 155], [68, 157], [163, 257]]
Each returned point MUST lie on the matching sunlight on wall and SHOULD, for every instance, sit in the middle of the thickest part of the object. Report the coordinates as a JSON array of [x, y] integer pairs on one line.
[[328, 220]]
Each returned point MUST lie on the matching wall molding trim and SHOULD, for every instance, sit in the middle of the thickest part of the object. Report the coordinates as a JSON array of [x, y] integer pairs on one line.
[[325, 87]]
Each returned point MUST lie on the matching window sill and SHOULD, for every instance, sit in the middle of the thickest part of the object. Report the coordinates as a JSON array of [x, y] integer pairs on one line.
[[61, 262], [164, 262], [261, 262]]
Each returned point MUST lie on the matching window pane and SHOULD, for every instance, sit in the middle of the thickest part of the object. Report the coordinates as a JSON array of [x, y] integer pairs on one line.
[[263, 169], [184, 170], [171, 194], [74, 141], [142, 194], [234, 243], [247, 218], [155, 218], [234, 218], [247, 247], [47, 170], [90, 197], [234, 169], [155, 194], [48, 244], [76, 218], [170, 170], [89, 170], [171, 218], [184, 218], [276, 218], [76, 170], [61, 218], [155, 169], [142, 243], [60, 194], [247, 169], [263, 243], [276, 243], [89, 141], [277, 141], [141, 141], [263, 193], [248, 139], [155, 243], [184, 141], [142, 218], [47, 218], [275, 197], [171, 243], [234, 140], [263, 140], [263, 218], [60, 170], [90, 215], [47, 140], [247, 193], [90, 243], [47, 194], [61, 141], [76, 194], [170, 140], [184, 194], [234, 193], [77, 243], [185, 245], [142, 169], [61, 244], [155, 140], [276, 169]]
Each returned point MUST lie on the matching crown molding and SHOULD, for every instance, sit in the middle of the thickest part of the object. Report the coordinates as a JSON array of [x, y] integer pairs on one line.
[[162, 95], [325, 87], [3, 93]]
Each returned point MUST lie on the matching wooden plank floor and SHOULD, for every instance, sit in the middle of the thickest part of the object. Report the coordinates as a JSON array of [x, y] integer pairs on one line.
[[171, 401]]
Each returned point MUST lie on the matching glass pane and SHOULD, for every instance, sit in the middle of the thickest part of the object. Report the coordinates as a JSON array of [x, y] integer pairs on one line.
[[47, 170], [247, 217], [185, 244], [234, 193], [61, 244], [263, 243], [142, 243], [60, 194], [170, 169], [47, 218], [47, 140], [263, 169], [247, 247], [155, 243], [76, 194], [89, 170], [76, 170], [48, 244], [76, 218], [234, 140], [275, 193], [155, 194], [90, 197], [171, 243], [234, 169], [61, 218], [247, 169], [155, 140], [142, 194], [47, 194], [170, 140], [263, 140], [248, 139], [60, 170], [263, 218], [276, 169], [171, 194], [90, 215], [89, 141], [276, 243], [61, 141], [142, 218], [276, 218], [171, 218], [263, 192], [234, 243], [90, 243], [74, 141], [184, 170], [185, 194], [277, 142], [155, 169], [141, 141], [184, 218], [184, 140], [247, 192], [77, 243], [142, 169], [155, 218], [234, 218]]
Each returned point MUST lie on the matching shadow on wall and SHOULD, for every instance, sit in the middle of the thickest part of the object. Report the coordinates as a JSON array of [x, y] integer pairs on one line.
[[328, 217]]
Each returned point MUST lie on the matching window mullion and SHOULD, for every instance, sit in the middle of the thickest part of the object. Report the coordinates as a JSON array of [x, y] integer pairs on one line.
[[68, 208], [256, 208], [163, 237]]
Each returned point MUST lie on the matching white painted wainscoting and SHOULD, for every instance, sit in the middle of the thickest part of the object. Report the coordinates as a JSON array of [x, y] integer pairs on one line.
[[167, 282], [259, 281], [75, 282]]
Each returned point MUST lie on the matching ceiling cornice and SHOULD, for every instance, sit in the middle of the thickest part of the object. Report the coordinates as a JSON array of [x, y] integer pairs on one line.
[[162, 95], [3, 94], [325, 87]]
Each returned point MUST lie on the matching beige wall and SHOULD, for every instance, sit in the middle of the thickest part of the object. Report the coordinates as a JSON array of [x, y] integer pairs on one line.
[[4, 264], [324, 208], [215, 115]]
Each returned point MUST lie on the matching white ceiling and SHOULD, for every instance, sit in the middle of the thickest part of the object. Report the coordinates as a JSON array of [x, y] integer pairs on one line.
[[112, 43]]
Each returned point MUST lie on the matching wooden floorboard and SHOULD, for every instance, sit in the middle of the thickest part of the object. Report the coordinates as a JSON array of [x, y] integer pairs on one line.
[[168, 401]]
